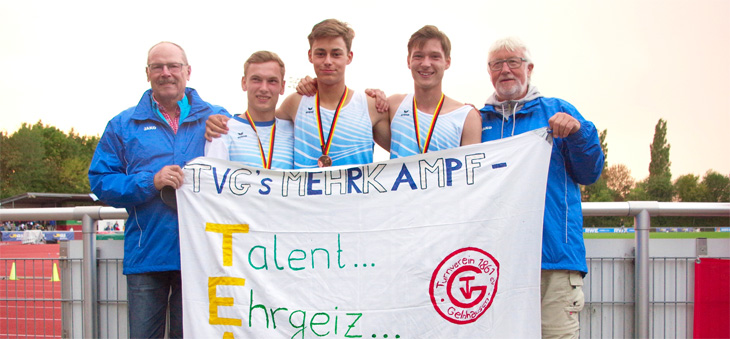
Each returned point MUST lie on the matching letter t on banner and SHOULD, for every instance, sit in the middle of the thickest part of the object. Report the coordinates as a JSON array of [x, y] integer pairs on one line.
[[227, 230]]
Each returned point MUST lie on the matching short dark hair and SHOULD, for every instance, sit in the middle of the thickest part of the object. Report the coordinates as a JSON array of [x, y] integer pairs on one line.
[[332, 28]]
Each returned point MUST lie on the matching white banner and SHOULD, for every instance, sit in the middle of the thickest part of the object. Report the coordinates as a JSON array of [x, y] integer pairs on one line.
[[441, 245]]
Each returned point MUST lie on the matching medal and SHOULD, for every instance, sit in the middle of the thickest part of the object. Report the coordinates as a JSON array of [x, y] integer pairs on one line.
[[265, 163], [325, 160], [430, 129]]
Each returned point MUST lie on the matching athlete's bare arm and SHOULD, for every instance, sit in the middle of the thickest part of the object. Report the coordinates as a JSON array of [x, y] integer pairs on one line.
[[288, 109], [472, 133], [381, 125], [216, 125], [394, 102]]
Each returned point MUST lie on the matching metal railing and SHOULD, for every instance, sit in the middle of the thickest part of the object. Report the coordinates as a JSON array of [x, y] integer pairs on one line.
[[642, 211], [88, 216]]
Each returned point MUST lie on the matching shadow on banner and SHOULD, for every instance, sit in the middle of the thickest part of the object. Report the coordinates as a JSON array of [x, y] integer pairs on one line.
[[712, 298]]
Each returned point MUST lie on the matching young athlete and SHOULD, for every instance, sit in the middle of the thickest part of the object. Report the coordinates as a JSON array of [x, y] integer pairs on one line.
[[256, 138], [428, 120]]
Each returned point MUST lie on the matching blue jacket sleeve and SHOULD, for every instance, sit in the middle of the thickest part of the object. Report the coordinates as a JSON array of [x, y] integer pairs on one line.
[[108, 176], [584, 151]]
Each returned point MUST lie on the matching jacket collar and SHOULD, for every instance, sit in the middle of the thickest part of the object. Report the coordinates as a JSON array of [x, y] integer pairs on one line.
[[145, 109], [524, 105]]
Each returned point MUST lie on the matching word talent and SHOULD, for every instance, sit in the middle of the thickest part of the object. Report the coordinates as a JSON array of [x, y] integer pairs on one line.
[[298, 322], [358, 180]]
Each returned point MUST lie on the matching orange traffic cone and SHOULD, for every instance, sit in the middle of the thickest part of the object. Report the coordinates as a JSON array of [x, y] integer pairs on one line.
[[12, 273], [55, 273]]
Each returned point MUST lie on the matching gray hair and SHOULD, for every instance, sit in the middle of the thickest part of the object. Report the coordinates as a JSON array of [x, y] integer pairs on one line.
[[184, 56], [511, 44]]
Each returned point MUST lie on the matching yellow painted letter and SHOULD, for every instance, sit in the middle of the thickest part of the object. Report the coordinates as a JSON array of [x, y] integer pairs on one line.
[[214, 301], [227, 230]]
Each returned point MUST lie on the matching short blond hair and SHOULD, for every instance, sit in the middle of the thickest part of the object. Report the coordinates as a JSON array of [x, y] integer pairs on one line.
[[263, 56]]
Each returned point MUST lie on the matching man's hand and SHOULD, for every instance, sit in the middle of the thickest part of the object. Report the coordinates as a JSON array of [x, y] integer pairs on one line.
[[170, 175], [563, 125], [216, 125], [381, 102], [307, 86]]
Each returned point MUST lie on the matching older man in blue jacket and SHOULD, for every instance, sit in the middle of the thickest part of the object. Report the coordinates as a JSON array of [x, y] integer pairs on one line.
[[142, 151], [517, 107]]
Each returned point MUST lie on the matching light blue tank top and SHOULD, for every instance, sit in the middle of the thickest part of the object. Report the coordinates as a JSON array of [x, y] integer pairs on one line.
[[242, 145], [447, 133], [352, 143]]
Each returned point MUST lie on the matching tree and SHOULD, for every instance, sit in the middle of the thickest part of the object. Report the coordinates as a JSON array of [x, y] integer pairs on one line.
[[639, 193], [598, 191], [38, 158], [689, 189], [619, 181], [659, 184], [718, 187]]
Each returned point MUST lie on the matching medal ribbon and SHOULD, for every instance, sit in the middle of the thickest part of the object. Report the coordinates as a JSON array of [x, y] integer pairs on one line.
[[430, 129], [326, 146], [264, 162]]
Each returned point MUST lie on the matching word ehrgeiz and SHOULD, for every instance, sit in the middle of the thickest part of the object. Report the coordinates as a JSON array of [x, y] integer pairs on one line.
[[320, 324], [361, 179]]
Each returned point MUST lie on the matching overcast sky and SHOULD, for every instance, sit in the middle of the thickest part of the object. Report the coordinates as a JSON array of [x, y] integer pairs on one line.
[[623, 64]]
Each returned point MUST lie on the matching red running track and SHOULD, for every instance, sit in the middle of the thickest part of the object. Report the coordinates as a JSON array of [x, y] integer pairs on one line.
[[30, 305]]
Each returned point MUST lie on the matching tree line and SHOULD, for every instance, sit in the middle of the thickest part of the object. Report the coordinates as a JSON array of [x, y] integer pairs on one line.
[[41, 158], [617, 184]]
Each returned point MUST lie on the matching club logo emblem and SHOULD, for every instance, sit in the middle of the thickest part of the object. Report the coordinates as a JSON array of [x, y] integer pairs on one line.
[[464, 284]]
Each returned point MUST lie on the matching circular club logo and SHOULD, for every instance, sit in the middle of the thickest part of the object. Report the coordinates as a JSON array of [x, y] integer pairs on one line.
[[464, 284]]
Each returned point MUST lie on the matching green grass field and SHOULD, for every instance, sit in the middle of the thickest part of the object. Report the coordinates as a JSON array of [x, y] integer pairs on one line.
[[660, 235]]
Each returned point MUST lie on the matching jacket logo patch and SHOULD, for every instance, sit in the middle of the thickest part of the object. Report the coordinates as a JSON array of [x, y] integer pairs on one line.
[[486, 128], [149, 128]]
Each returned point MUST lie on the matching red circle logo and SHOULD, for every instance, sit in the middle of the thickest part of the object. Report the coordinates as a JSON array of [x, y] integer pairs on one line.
[[464, 284]]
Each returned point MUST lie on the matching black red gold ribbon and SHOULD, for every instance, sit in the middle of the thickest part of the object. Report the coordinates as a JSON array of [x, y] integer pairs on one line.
[[266, 163], [326, 146], [430, 129]]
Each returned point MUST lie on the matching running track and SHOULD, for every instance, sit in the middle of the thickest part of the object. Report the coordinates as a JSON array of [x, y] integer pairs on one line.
[[30, 307]]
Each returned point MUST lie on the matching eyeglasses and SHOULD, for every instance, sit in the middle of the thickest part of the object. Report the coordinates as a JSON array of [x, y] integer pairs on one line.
[[174, 67], [511, 63]]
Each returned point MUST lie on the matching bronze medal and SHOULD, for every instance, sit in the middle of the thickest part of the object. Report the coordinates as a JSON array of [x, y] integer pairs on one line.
[[324, 161]]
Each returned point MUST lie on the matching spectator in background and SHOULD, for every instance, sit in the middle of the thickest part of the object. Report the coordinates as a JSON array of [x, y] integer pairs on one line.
[[141, 151]]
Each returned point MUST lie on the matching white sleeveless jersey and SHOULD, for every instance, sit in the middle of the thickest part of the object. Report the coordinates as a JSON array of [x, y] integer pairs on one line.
[[242, 145], [446, 134], [352, 143]]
